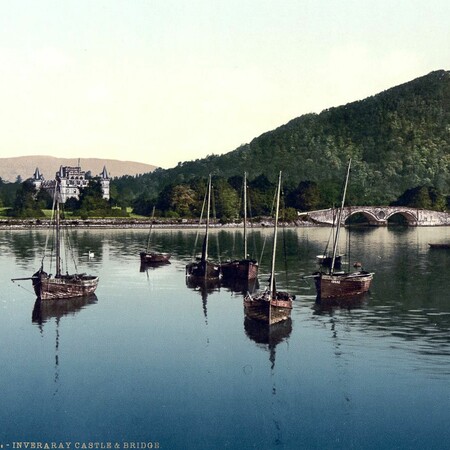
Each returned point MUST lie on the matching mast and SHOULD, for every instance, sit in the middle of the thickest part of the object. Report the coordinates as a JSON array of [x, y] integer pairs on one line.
[[205, 242], [151, 227], [336, 238], [275, 230], [245, 216], [58, 238]]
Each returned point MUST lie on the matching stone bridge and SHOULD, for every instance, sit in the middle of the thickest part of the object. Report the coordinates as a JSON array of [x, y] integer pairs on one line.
[[380, 215]]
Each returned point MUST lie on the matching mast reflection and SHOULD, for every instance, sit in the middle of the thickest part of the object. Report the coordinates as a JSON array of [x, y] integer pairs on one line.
[[44, 311], [204, 287], [268, 336]]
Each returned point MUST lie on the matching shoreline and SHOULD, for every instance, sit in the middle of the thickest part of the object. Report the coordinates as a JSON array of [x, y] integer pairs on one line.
[[28, 224], [126, 223]]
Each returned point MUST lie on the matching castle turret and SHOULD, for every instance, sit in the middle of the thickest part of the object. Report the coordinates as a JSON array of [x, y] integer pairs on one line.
[[104, 182]]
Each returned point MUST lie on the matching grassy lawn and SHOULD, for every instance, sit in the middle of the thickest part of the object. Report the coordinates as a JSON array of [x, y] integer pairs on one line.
[[3, 212], [70, 215]]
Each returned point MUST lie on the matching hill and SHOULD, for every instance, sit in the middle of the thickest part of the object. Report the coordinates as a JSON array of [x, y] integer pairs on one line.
[[25, 166], [397, 139]]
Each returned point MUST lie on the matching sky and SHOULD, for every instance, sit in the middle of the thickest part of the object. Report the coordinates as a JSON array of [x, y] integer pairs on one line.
[[164, 81]]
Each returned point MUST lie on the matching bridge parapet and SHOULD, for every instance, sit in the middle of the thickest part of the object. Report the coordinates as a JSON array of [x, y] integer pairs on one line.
[[379, 215]]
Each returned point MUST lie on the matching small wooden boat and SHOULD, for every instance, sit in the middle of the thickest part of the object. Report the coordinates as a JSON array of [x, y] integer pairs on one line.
[[245, 268], [333, 284], [439, 246], [270, 305], [153, 257], [202, 267], [60, 286]]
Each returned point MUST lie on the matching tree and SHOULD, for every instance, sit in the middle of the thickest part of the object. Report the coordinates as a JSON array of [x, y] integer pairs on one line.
[[25, 204], [306, 197], [226, 200], [425, 197], [92, 201]]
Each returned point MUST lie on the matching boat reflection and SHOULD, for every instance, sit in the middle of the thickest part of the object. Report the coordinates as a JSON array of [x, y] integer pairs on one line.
[[145, 267], [43, 311], [205, 287], [240, 286], [268, 336], [328, 305]]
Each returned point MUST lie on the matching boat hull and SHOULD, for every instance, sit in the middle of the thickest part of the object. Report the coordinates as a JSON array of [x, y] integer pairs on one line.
[[203, 269], [66, 286], [342, 284], [245, 269], [440, 246], [154, 257], [268, 310]]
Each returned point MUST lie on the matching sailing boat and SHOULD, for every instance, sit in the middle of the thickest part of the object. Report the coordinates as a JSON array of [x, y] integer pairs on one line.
[[60, 286], [245, 268], [152, 257], [270, 305], [333, 283], [203, 268]]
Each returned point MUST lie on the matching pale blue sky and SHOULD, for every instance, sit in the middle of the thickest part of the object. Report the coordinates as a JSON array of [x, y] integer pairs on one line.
[[162, 81]]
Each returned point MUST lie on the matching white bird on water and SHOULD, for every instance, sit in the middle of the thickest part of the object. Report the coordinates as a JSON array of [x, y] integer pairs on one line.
[[91, 254]]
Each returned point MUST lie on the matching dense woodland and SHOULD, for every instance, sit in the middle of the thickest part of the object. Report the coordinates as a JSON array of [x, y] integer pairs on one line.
[[398, 140]]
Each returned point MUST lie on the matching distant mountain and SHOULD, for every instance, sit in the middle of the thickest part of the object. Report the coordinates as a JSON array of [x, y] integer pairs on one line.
[[397, 139], [25, 166]]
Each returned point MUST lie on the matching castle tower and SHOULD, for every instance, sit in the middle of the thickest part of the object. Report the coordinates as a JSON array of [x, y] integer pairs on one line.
[[104, 181]]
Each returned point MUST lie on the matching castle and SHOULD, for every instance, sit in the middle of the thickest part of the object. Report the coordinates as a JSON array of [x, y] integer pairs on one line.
[[72, 180]]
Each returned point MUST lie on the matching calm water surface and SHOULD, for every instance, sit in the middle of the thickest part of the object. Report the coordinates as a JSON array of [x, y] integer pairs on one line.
[[151, 360]]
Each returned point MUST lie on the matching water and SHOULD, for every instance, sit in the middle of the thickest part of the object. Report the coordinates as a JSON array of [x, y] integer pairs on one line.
[[151, 362]]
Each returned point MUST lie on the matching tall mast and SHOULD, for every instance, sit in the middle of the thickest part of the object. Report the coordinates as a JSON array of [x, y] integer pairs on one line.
[[58, 239], [205, 242], [245, 216], [151, 227], [275, 230], [336, 238]]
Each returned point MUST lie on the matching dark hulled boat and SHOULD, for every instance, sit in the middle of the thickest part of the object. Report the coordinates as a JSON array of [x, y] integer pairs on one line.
[[333, 284], [61, 286], [202, 267], [245, 268], [152, 257], [440, 246]]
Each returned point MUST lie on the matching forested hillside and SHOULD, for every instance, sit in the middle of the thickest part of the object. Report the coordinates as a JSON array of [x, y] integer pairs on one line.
[[398, 139]]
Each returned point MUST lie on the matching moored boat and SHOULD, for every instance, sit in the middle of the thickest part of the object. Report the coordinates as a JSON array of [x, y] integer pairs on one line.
[[202, 267], [60, 286], [439, 246], [154, 257], [245, 268], [334, 284], [151, 256], [270, 305]]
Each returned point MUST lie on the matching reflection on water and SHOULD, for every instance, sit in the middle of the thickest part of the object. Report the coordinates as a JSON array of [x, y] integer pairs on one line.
[[45, 310], [204, 287], [329, 305], [268, 336], [152, 266]]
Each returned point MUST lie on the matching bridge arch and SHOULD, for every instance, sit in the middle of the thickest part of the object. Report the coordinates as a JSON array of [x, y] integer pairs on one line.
[[408, 216], [371, 218]]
